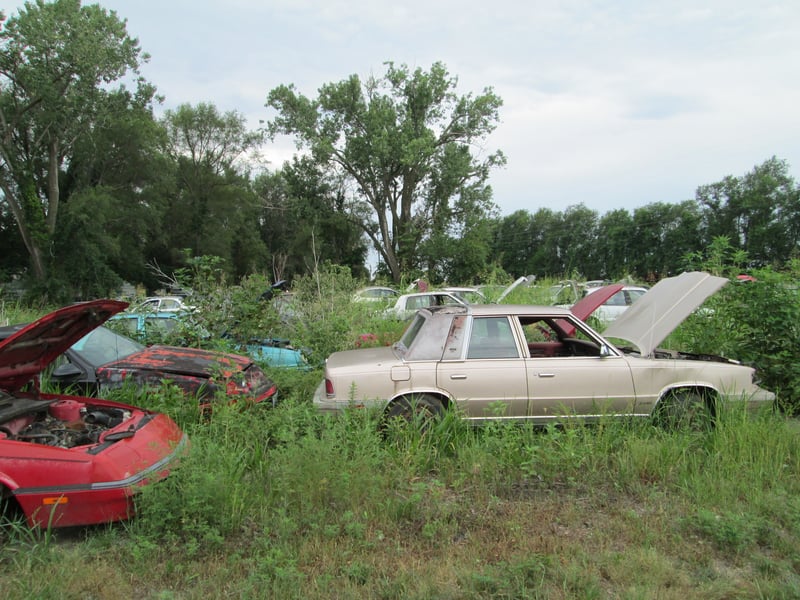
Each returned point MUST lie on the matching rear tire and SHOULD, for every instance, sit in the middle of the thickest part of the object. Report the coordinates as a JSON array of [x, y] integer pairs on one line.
[[419, 410], [685, 409]]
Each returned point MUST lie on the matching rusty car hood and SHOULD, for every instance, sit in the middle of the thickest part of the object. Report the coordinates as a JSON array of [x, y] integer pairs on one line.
[[181, 361], [649, 320], [27, 351]]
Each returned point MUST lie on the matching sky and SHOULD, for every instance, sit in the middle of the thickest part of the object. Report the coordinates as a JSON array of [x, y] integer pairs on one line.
[[609, 104]]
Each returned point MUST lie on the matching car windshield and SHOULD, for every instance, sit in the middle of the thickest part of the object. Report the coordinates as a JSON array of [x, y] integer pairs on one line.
[[103, 345]]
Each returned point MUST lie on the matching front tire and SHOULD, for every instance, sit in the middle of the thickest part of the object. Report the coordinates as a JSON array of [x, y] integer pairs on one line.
[[687, 410]]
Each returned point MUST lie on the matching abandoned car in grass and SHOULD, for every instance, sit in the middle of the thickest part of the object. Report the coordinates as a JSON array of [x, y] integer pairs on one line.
[[72, 460], [543, 363], [103, 359]]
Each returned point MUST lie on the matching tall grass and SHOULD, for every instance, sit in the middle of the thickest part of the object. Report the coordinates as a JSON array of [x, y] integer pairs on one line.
[[288, 503]]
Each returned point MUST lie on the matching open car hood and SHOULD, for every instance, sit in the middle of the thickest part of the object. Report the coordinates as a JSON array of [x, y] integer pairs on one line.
[[26, 352], [649, 320]]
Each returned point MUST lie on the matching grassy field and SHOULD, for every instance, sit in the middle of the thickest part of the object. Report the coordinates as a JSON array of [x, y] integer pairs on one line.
[[285, 504]]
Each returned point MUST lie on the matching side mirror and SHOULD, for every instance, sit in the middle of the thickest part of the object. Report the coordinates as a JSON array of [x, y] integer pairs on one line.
[[66, 371]]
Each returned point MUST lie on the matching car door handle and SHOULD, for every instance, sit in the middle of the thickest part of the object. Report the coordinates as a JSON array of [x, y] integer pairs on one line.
[[458, 376], [546, 375]]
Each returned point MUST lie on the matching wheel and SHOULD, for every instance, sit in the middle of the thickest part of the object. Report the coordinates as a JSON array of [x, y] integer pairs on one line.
[[418, 410], [685, 409]]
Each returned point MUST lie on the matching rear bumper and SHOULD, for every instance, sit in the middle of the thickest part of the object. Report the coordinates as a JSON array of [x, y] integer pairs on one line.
[[325, 404]]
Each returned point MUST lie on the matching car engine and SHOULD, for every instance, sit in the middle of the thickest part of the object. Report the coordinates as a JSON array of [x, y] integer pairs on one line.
[[60, 423]]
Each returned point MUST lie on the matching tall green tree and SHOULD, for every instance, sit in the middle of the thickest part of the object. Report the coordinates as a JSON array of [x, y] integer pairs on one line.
[[758, 212], [57, 62], [213, 209], [662, 236], [401, 145], [513, 242], [545, 235], [613, 244], [577, 240], [113, 200], [303, 221]]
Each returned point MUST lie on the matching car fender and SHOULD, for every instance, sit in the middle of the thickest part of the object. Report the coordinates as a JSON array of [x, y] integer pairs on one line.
[[705, 388]]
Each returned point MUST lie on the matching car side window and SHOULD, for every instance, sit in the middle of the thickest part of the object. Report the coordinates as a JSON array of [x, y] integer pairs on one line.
[[414, 302], [617, 299], [491, 337], [541, 337]]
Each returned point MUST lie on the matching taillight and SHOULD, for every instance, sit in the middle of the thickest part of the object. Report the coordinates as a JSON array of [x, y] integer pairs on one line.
[[329, 388]]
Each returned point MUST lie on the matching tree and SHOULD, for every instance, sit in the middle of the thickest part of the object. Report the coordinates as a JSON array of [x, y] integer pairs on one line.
[[513, 242], [113, 200], [577, 240], [56, 62], [759, 212], [661, 237], [213, 209], [302, 221], [613, 249], [401, 146]]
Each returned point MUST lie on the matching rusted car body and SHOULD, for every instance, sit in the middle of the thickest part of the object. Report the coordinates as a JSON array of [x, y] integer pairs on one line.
[[103, 359], [71, 460]]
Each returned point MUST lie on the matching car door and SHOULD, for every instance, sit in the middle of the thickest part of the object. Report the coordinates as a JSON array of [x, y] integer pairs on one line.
[[489, 376], [570, 376]]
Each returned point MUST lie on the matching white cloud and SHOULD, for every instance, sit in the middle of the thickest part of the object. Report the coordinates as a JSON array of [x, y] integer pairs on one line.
[[613, 104]]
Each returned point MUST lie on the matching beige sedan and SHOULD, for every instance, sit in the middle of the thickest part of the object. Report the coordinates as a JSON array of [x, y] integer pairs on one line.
[[541, 363]]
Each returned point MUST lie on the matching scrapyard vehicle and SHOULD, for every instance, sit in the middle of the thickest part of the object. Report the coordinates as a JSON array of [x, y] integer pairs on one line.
[[543, 364], [72, 460], [103, 359]]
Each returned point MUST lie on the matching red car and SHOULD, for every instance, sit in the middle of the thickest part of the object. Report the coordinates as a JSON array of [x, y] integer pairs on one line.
[[103, 359], [73, 460]]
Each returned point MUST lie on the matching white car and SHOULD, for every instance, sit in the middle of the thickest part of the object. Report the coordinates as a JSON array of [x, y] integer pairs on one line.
[[544, 364], [469, 294], [407, 305], [376, 293], [616, 304], [163, 304]]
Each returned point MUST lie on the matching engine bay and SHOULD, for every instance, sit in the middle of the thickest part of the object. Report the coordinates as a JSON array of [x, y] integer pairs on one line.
[[64, 423]]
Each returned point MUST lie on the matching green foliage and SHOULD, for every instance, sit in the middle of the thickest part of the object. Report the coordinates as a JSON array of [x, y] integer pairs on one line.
[[403, 141], [57, 61], [757, 322]]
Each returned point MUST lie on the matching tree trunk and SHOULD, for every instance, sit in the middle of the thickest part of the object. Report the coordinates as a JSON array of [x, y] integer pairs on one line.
[[34, 251]]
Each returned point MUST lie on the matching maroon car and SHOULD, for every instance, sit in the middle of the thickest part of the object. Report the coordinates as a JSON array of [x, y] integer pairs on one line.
[[73, 460]]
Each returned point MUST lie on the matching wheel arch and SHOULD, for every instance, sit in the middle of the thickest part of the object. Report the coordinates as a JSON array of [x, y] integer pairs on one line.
[[708, 392], [9, 504], [444, 398]]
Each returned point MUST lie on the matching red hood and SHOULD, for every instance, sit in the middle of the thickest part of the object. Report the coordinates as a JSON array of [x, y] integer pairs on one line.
[[24, 354], [185, 361], [590, 303]]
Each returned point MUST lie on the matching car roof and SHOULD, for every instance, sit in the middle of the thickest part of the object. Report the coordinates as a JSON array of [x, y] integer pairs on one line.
[[493, 310], [646, 323]]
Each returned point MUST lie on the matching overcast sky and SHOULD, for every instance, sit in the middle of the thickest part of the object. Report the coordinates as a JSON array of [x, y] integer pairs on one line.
[[609, 104]]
